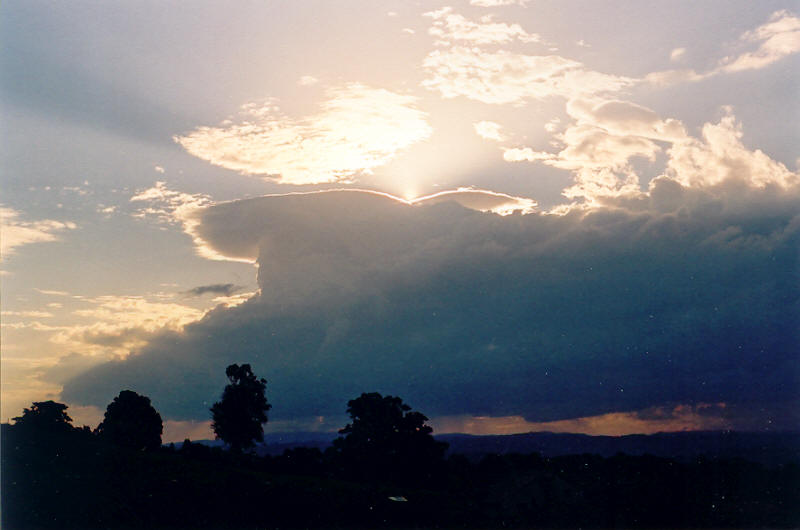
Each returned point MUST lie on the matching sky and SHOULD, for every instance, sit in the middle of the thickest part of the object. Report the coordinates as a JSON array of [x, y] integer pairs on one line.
[[516, 215]]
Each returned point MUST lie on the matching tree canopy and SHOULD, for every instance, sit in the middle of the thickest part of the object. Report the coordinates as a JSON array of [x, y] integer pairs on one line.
[[45, 417], [239, 417], [388, 441], [131, 421]]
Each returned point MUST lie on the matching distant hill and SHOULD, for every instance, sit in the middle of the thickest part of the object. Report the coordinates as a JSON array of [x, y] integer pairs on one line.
[[770, 448]]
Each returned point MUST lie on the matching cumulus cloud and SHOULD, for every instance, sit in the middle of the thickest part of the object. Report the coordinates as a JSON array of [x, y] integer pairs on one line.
[[503, 77], [606, 135], [18, 233], [450, 26], [358, 128], [720, 155], [681, 296]]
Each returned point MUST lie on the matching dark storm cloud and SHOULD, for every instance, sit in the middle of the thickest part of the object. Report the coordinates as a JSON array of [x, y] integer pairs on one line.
[[224, 289], [681, 296]]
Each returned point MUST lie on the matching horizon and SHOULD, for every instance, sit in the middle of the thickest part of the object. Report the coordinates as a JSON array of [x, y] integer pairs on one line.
[[514, 215]]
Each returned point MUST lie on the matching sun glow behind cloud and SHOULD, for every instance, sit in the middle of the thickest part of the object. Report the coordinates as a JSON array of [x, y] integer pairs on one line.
[[358, 129]]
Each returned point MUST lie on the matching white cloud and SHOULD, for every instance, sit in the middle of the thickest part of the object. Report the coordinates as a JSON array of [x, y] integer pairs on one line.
[[159, 169], [489, 130], [599, 145], [449, 26], [720, 156], [359, 128], [778, 38], [17, 233], [505, 77]]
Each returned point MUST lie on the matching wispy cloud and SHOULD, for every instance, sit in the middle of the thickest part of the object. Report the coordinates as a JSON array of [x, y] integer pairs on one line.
[[166, 205], [773, 41], [778, 38], [498, 3], [119, 324], [504, 77], [359, 128], [449, 26], [18, 233]]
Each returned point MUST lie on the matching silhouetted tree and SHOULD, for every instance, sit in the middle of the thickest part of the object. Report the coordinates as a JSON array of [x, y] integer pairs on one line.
[[45, 417], [131, 421], [388, 441], [239, 417]]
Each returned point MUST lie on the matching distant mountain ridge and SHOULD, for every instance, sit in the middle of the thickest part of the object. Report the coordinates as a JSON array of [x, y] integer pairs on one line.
[[770, 448]]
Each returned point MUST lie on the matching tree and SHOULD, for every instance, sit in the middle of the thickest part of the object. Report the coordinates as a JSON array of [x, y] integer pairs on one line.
[[45, 417], [131, 421], [239, 417], [388, 441]]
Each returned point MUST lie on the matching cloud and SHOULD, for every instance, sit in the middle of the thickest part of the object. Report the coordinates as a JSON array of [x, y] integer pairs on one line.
[[166, 205], [358, 128], [699, 417], [504, 77], [27, 314], [489, 130], [681, 296], [119, 324], [775, 40], [481, 200], [18, 233], [68, 366], [307, 80], [225, 289], [498, 3], [449, 26], [677, 54], [720, 156], [51, 292], [778, 38], [598, 147]]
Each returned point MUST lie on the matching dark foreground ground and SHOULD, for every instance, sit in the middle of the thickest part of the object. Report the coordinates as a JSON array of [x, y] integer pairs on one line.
[[79, 482]]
